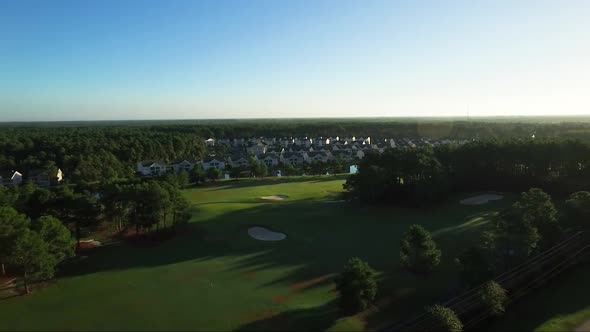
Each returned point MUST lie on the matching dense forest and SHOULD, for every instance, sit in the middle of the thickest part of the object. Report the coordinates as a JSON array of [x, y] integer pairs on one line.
[[93, 153], [96, 151], [426, 175]]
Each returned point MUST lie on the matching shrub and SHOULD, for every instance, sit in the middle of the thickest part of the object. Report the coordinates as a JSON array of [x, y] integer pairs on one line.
[[444, 319], [357, 285], [418, 250], [494, 297]]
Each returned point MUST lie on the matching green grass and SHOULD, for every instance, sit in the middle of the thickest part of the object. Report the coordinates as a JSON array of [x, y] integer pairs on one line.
[[215, 277]]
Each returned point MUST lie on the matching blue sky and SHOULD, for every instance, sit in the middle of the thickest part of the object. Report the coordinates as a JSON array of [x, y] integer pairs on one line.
[[99, 60]]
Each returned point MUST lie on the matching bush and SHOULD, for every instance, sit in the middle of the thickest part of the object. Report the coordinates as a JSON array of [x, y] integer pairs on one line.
[[444, 319], [357, 286], [213, 173], [418, 252], [494, 297]]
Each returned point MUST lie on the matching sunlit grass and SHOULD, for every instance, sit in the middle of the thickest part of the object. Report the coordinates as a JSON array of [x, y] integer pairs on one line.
[[213, 276]]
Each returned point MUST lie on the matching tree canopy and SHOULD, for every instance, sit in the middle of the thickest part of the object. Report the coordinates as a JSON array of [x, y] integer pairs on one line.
[[357, 285], [418, 252], [444, 319]]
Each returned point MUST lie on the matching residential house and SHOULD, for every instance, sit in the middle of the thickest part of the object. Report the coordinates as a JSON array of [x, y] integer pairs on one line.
[[269, 159], [213, 162], [210, 142], [238, 141], [359, 154], [223, 141], [321, 141], [319, 156], [344, 155], [12, 178], [286, 141], [238, 161], [348, 140], [184, 165], [364, 140], [45, 178], [307, 142], [152, 167], [294, 158], [258, 148]]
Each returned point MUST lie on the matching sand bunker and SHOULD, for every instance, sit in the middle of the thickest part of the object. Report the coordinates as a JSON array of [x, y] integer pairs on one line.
[[481, 199], [275, 197], [90, 243], [263, 234]]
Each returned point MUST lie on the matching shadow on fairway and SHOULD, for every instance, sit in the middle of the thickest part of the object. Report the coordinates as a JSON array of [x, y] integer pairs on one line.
[[244, 183], [321, 318], [320, 239]]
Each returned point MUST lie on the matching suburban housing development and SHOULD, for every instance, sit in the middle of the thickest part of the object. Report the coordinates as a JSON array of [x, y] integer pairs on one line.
[[225, 153]]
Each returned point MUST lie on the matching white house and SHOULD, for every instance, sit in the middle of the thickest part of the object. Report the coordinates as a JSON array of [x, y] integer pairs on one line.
[[238, 161], [210, 142], [213, 163], [152, 167], [183, 165], [13, 178]]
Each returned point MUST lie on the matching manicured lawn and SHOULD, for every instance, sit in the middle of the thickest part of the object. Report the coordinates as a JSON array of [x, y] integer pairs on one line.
[[215, 277]]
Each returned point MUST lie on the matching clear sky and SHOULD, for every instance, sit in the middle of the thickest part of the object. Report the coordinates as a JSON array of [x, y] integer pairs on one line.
[[143, 59]]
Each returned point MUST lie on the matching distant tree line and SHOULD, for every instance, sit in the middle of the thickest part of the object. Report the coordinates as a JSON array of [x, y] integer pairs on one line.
[[418, 177], [93, 152]]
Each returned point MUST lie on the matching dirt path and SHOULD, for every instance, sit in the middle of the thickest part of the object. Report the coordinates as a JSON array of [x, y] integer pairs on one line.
[[583, 327]]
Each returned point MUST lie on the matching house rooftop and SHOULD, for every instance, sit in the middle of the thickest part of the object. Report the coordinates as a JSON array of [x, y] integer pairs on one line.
[[8, 174], [145, 163], [178, 161]]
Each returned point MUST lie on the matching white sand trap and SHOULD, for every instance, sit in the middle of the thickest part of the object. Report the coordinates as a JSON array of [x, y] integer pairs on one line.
[[481, 199], [92, 242], [263, 234], [275, 197]]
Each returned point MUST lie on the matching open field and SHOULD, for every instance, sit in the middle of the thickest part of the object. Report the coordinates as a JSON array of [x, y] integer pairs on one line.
[[214, 276]]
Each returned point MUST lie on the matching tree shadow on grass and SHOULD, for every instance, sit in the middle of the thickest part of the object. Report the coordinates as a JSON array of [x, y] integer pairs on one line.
[[320, 239], [245, 183], [316, 319]]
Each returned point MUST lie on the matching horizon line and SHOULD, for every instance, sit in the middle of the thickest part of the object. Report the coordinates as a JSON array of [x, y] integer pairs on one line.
[[314, 118]]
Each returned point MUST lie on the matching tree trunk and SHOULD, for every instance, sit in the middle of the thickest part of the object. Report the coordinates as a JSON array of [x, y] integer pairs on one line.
[[120, 224], [25, 279], [78, 231], [3, 269]]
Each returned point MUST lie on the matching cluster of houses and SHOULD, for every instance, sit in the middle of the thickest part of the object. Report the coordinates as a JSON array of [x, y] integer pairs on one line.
[[293, 151], [42, 178]]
